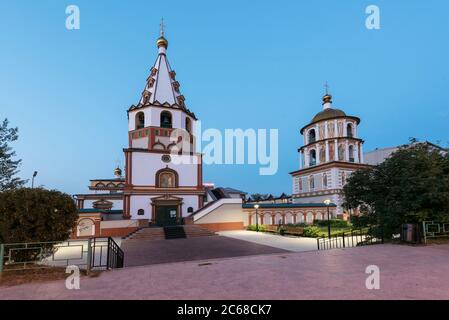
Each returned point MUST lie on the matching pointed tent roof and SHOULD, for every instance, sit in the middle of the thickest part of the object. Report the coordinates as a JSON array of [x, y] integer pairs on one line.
[[161, 87]]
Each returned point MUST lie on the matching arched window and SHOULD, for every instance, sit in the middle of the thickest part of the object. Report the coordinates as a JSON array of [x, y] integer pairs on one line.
[[312, 157], [343, 178], [325, 180], [349, 131], [188, 125], [167, 178], [189, 209], [140, 212], [312, 136], [351, 154], [166, 120], [140, 120]]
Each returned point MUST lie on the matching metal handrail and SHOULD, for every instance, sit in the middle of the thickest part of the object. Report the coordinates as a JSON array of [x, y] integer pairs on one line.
[[92, 254]]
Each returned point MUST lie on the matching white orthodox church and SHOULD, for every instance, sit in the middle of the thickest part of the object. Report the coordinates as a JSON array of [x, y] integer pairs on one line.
[[162, 183], [332, 150]]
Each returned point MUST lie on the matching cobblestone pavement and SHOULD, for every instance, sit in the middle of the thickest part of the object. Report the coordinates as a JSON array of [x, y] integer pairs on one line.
[[406, 272]]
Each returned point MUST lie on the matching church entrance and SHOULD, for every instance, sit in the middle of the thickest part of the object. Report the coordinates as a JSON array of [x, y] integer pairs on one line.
[[166, 215]]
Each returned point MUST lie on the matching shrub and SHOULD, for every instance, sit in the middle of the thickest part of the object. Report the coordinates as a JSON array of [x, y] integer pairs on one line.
[[335, 223], [252, 227], [360, 221], [312, 232], [36, 215]]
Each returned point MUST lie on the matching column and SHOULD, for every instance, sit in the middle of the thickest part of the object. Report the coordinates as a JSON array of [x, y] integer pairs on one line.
[[317, 152], [362, 158], [335, 150], [306, 158], [346, 150], [327, 150], [326, 133]]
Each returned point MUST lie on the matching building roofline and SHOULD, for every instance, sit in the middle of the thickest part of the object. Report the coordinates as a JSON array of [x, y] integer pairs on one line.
[[287, 205]]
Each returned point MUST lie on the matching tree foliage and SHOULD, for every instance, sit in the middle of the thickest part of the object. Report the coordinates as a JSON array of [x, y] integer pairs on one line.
[[8, 166], [36, 215], [411, 186]]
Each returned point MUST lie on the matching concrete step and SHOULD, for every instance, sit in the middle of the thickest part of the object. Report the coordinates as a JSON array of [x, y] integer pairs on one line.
[[148, 234], [197, 231]]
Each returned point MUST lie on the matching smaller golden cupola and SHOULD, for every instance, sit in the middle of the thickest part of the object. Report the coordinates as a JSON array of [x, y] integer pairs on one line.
[[118, 172]]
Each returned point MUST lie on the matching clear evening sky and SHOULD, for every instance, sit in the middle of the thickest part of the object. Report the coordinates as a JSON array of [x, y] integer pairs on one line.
[[241, 64]]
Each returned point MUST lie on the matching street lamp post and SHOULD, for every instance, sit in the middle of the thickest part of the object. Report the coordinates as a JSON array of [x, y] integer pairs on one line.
[[327, 202], [256, 206], [32, 180]]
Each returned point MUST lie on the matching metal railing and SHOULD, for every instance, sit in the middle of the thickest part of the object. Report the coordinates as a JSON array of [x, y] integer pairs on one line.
[[433, 229], [89, 254], [350, 239]]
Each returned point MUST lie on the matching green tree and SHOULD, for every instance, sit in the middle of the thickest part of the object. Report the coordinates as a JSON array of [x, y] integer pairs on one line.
[[36, 215], [8, 166], [409, 187]]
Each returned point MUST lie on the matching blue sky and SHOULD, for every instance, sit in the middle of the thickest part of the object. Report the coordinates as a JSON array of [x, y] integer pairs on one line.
[[241, 64]]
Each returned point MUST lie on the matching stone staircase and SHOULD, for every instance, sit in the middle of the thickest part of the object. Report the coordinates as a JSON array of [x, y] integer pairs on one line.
[[147, 234], [192, 230], [174, 232], [153, 233]]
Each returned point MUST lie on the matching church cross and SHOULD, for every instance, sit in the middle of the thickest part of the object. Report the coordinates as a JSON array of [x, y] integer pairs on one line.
[[326, 88], [162, 25]]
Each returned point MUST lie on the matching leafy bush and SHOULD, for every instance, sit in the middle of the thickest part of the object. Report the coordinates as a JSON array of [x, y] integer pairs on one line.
[[312, 232], [36, 215], [252, 227], [360, 221], [335, 223], [301, 224]]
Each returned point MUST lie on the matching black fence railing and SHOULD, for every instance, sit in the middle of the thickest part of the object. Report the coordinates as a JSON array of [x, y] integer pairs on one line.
[[106, 254], [349, 239], [89, 254]]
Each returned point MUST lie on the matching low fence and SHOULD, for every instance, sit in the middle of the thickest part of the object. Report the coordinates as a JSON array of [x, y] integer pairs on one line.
[[89, 254], [432, 230], [350, 239]]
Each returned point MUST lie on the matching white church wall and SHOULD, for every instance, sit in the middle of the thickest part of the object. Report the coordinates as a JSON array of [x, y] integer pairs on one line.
[[189, 201], [140, 202], [145, 165]]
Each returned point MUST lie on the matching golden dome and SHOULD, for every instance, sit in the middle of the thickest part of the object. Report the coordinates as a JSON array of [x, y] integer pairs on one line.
[[118, 172], [161, 41], [327, 98], [329, 113]]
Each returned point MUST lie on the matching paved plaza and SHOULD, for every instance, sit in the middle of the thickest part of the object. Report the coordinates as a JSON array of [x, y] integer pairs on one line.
[[406, 272], [146, 252], [290, 243]]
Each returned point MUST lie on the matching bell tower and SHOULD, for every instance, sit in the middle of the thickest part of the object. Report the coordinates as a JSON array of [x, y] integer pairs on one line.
[[163, 171]]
